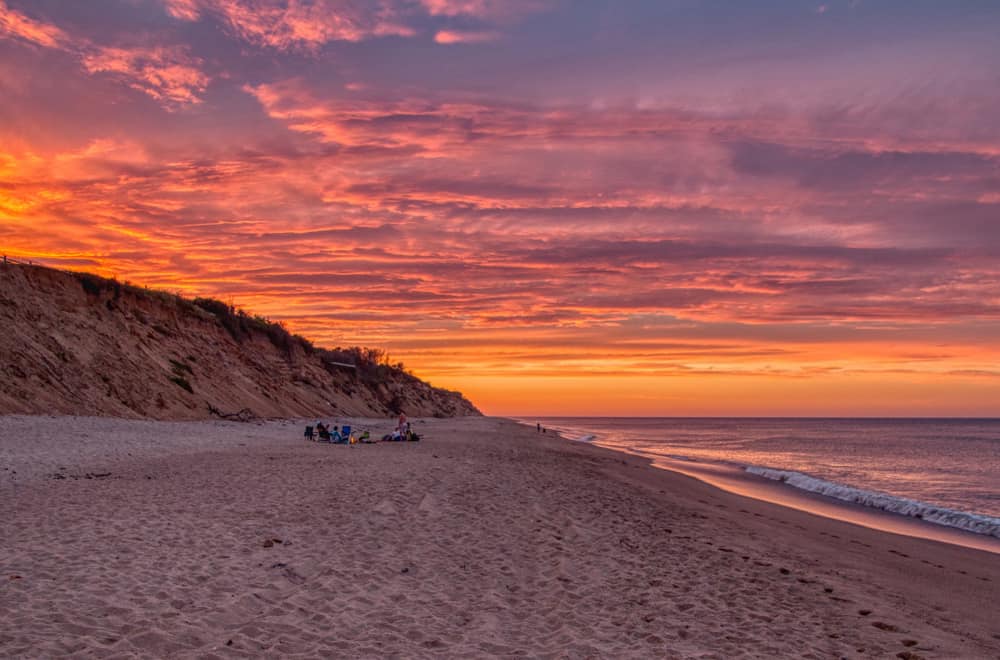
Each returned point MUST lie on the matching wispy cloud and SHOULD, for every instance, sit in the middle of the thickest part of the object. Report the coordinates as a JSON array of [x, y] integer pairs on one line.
[[308, 25], [492, 10], [298, 24], [465, 36], [14, 24], [166, 73], [187, 10]]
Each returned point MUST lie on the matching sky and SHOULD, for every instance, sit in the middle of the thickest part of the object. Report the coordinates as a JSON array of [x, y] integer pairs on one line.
[[668, 207]]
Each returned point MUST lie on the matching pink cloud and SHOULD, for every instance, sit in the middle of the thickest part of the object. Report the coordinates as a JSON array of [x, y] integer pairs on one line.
[[168, 74], [298, 23], [464, 36], [14, 24], [186, 10], [308, 24], [486, 9]]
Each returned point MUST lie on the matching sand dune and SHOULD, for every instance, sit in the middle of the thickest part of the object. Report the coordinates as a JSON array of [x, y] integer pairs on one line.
[[79, 344], [213, 539]]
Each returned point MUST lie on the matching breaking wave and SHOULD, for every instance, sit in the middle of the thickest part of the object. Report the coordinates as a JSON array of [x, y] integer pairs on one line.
[[971, 522]]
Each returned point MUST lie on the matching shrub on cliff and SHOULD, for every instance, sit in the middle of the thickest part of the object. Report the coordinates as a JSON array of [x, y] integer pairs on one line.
[[242, 326]]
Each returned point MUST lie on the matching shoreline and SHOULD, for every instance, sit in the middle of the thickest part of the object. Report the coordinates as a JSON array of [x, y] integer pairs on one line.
[[733, 478], [484, 539]]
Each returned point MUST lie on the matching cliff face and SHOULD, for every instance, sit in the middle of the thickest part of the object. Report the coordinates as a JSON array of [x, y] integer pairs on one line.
[[76, 344]]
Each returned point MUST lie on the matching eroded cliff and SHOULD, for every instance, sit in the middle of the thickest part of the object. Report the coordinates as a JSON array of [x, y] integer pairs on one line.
[[74, 343]]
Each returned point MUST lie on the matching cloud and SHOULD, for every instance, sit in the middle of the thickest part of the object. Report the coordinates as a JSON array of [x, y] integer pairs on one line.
[[14, 24], [486, 10], [168, 75], [465, 37], [186, 10], [304, 24], [309, 24]]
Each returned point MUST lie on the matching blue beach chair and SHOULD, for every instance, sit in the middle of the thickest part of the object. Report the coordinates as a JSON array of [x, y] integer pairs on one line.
[[340, 436]]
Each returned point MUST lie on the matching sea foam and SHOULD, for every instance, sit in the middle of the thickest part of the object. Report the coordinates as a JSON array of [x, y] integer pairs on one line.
[[971, 522]]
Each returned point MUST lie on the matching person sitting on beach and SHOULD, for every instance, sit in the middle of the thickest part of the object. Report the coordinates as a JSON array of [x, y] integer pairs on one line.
[[322, 431]]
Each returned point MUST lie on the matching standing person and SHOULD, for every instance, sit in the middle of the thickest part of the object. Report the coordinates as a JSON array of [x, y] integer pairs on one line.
[[539, 427], [402, 423]]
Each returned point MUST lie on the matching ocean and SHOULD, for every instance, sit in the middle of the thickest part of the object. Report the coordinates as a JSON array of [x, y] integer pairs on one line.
[[942, 471]]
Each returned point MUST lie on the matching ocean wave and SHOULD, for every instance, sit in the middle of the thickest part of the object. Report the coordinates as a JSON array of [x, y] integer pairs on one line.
[[971, 522]]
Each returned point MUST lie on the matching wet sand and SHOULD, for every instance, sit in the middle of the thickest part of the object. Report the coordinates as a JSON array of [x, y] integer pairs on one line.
[[486, 539], [736, 480]]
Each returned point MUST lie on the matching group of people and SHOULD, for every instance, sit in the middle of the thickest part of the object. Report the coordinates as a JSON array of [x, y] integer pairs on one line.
[[402, 432], [344, 435], [338, 435]]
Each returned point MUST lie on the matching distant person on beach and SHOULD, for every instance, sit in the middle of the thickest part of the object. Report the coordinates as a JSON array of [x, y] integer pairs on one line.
[[539, 427], [401, 427]]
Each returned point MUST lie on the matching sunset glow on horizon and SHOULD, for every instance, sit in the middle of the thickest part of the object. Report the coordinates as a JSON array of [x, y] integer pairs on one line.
[[673, 207]]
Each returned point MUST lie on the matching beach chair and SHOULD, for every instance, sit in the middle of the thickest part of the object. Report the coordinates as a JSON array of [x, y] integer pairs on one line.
[[324, 436], [309, 435], [345, 432]]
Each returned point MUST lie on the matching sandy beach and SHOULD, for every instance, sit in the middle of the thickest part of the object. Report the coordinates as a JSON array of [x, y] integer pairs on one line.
[[125, 538]]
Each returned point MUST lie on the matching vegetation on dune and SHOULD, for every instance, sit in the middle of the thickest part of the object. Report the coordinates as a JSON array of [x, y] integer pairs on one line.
[[371, 365], [181, 367], [183, 382], [242, 326]]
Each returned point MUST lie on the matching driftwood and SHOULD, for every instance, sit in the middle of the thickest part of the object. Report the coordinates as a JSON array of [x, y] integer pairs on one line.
[[245, 415]]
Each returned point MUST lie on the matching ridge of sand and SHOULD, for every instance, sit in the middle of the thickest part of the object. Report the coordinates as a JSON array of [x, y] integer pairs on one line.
[[484, 540], [77, 344]]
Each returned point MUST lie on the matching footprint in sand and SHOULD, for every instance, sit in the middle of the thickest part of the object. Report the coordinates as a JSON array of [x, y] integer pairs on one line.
[[573, 531], [429, 505], [386, 507]]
